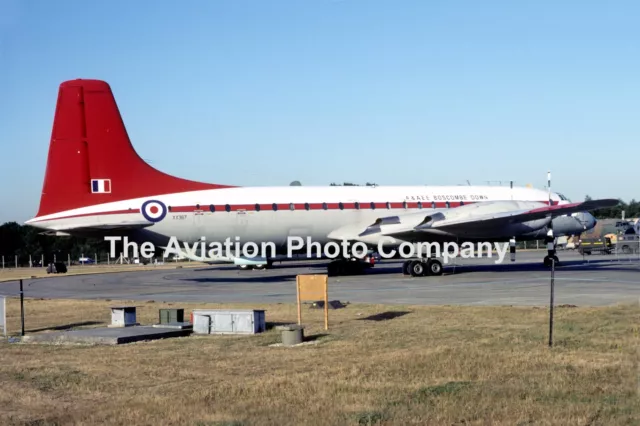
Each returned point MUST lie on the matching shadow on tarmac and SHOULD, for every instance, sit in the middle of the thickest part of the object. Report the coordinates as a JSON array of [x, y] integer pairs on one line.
[[394, 268]]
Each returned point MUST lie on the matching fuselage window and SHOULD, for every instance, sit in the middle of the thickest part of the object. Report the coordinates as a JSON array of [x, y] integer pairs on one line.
[[448, 205], [257, 207], [373, 205], [357, 205], [212, 208], [324, 206], [433, 204], [274, 206], [461, 203], [419, 204], [404, 204], [341, 206], [197, 206], [291, 206], [306, 206], [169, 208], [388, 205], [227, 208]]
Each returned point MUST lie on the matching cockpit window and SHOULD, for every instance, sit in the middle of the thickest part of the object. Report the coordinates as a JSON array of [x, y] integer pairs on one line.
[[563, 198]]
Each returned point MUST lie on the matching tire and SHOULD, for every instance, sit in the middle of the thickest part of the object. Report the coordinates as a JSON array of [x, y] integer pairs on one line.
[[417, 268], [332, 269], [405, 267], [434, 267]]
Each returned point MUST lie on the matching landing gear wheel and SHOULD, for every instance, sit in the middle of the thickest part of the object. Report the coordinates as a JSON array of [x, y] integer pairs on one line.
[[333, 270], [416, 268], [434, 267], [344, 267], [547, 261], [406, 265]]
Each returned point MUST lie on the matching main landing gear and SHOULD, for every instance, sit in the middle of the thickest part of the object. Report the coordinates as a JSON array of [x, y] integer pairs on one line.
[[422, 267], [257, 266], [352, 266]]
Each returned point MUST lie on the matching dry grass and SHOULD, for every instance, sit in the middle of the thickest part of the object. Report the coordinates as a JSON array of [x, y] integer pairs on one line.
[[431, 365], [13, 274]]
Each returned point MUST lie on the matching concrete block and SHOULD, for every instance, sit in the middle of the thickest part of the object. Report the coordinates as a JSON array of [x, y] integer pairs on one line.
[[292, 334]]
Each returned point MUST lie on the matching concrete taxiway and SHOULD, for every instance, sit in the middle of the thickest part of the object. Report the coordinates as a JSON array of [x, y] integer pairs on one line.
[[582, 281]]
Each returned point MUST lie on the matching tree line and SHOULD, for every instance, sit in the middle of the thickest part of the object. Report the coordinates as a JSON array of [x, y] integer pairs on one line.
[[24, 241], [28, 242]]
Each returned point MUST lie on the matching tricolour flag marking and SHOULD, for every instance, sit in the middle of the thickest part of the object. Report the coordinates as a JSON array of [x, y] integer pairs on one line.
[[100, 186]]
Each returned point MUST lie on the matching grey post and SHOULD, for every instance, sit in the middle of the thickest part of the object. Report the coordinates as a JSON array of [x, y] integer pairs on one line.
[[3, 315], [22, 307], [553, 268]]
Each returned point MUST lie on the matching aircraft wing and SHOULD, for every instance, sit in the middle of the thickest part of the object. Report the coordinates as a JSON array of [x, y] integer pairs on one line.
[[474, 219], [523, 215]]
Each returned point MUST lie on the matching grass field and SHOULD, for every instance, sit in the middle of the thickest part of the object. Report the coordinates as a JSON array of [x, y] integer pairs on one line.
[[375, 365], [13, 274]]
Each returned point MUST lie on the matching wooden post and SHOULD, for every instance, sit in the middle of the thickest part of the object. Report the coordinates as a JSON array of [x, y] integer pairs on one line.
[[298, 297], [326, 306]]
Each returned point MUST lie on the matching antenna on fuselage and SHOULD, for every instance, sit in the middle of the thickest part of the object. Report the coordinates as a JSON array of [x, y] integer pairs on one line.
[[549, 185]]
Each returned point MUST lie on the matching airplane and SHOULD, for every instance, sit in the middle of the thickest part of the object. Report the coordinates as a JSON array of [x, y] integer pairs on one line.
[[96, 184]]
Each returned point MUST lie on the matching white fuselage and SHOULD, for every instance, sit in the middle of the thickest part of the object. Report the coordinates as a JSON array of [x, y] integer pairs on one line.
[[301, 211]]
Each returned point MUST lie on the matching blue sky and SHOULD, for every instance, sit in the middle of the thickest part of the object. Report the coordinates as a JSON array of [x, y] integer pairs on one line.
[[399, 93]]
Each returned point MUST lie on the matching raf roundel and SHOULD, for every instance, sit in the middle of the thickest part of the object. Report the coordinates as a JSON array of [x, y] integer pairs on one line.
[[153, 210]]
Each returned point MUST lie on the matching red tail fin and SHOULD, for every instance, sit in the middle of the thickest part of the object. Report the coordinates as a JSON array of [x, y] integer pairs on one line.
[[91, 159]]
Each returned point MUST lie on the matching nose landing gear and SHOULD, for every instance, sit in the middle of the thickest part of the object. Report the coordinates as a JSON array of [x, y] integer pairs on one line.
[[551, 257]]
